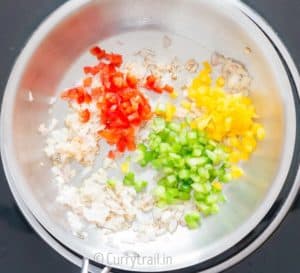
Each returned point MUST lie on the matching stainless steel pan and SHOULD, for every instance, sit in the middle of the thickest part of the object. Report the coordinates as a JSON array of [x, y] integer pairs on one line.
[[52, 59]]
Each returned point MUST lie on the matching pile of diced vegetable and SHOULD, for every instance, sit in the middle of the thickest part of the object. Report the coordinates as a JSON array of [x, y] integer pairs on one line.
[[228, 118], [192, 166]]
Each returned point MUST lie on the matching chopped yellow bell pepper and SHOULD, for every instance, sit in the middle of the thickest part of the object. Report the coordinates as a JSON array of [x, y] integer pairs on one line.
[[220, 82], [170, 111], [174, 95], [125, 167], [231, 116], [236, 172], [217, 185], [186, 105]]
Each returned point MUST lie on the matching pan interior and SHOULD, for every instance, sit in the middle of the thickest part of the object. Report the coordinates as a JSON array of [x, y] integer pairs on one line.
[[52, 60]]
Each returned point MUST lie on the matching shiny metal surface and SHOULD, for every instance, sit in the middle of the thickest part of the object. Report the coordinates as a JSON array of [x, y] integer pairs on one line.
[[52, 59], [85, 266]]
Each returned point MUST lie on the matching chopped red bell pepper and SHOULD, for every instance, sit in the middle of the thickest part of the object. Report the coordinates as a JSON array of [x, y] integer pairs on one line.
[[152, 84], [87, 98], [77, 94], [132, 81], [150, 81], [97, 92], [114, 59], [84, 115], [98, 52], [121, 105], [87, 82], [168, 88], [112, 154]]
